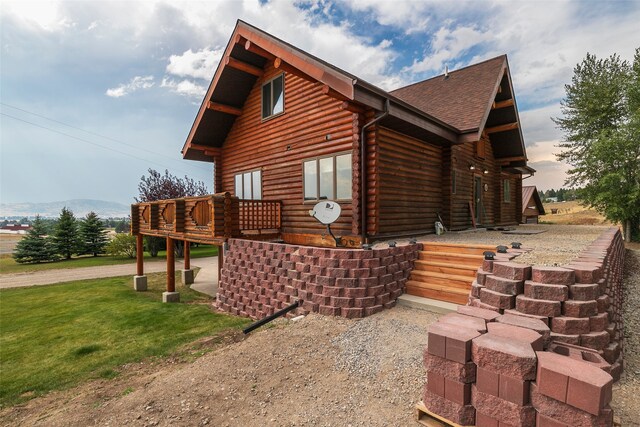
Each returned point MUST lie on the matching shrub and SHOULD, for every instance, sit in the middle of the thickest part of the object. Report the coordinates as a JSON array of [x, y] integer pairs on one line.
[[122, 245]]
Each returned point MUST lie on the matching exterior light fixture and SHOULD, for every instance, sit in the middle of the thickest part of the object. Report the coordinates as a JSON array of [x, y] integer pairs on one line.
[[367, 247], [486, 171], [502, 249], [472, 167], [413, 241], [489, 256], [516, 245], [392, 244]]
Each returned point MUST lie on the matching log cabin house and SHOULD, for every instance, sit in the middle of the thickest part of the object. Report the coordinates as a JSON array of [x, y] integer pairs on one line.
[[285, 129], [532, 206]]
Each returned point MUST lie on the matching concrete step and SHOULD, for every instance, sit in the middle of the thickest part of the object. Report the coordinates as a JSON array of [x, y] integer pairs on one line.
[[429, 304]]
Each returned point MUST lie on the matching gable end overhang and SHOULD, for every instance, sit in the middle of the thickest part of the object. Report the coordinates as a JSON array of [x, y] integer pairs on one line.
[[248, 51]]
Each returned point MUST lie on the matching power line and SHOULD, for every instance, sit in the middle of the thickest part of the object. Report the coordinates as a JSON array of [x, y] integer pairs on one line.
[[90, 142], [92, 133]]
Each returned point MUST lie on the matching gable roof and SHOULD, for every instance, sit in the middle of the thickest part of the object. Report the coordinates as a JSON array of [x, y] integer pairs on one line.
[[249, 49], [529, 192], [462, 97]]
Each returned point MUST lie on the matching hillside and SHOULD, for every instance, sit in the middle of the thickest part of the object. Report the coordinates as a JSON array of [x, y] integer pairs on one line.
[[80, 207]]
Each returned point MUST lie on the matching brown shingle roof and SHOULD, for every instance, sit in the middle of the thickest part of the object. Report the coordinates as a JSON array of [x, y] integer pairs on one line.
[[460, 100]]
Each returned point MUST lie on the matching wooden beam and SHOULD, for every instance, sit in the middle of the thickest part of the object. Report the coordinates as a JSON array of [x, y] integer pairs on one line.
[[332, 93], [279, 64], [349, 106], [502, 128], [253, 48], [214, 151], [171, 266], [243, 66], [239, 40], [139, 255], [187, 255], [224, 108], [502, 104]]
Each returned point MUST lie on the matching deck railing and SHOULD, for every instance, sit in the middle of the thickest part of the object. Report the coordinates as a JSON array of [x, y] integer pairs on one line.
[[206, 219], [260, 215]]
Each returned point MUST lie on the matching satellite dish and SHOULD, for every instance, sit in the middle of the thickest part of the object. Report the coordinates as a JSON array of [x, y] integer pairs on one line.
[[326, 212]]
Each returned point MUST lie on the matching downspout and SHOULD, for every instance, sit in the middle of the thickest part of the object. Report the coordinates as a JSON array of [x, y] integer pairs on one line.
[[363, 171]]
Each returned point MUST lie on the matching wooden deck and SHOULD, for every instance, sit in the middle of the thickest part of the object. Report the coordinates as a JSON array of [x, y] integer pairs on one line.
[[210, 219]]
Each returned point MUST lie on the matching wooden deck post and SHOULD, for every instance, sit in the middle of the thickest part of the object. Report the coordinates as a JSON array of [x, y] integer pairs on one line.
[[139, 280], [220, 261], [187, 273], [171, 295]]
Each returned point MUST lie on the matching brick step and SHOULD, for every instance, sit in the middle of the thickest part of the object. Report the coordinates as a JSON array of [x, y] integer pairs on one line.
[[437, 292], [450, 280], [451, 257], [457, 248], [446, 268]]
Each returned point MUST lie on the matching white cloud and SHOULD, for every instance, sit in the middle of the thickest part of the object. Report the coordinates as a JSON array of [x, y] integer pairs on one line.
[[184, 87], [42, 15], [136, 83], [199, 64]]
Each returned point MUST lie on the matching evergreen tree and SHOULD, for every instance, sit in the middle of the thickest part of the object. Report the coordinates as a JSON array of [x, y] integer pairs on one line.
[[93, 238], [34, 246], [65, 235], [601, 124]]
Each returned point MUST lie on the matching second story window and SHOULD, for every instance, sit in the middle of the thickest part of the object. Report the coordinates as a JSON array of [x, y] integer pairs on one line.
[[273, 97]]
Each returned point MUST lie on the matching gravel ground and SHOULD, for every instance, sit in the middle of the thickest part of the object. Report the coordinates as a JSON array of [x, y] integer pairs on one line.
[[557, 245], [625, 403]]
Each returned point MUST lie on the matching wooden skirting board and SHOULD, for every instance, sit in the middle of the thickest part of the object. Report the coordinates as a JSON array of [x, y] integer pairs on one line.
[[430, 419]]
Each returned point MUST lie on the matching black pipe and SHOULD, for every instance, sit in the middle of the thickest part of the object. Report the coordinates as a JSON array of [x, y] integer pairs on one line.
[[268, 319], [363, 171]]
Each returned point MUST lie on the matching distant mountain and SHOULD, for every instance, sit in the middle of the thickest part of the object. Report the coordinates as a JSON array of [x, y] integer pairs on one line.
[[80, 208]]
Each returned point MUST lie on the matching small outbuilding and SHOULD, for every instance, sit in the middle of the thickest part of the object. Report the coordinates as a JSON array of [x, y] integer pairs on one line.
[[531, 205]]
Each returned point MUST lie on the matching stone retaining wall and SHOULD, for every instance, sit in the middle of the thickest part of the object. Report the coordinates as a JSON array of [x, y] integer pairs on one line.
[[259, 278], [537, 346]]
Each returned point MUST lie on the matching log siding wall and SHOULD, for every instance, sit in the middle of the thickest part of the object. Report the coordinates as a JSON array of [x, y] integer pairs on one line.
[[409, 184], [312, 125]]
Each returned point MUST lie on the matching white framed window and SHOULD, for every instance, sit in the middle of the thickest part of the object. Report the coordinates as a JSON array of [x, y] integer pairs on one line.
[[327, 178], [248, 185], [273, 97], [506, 191]]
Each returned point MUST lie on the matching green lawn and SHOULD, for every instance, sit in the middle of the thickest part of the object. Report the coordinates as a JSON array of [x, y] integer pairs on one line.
[[8, 265], [54, 337]]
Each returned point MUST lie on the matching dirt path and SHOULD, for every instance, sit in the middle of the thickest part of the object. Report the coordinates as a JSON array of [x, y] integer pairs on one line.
[[49, 277]]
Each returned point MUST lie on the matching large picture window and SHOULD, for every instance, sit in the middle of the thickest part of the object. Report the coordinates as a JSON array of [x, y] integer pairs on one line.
[[273, 97], [248, 185], [327, 178]]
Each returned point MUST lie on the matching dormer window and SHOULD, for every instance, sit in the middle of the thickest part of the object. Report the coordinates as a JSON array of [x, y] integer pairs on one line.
[[273, 97]]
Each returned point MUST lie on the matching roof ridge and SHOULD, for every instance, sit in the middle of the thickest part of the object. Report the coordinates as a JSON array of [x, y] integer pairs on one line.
[[504, 55]]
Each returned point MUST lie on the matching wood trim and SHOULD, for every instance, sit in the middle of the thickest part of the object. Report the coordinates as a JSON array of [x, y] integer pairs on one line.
[[210, 151], [332, 93], [507, 160], [243, 66], [502, 128], [224, 108]]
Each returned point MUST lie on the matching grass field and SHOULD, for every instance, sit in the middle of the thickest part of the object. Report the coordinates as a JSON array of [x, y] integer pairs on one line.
[[54, 337], [8, 265], [571, 213], [8, 242]]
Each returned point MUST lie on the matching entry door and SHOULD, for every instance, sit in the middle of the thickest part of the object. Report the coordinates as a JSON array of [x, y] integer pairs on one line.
[[477, 198]]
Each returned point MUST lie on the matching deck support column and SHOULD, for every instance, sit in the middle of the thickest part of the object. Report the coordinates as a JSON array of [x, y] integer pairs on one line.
[[139, 280], [171, 295], [220, 260], [187, 272]]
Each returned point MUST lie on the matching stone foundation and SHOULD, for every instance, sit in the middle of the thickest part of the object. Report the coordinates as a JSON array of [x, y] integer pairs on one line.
[[259, 278]]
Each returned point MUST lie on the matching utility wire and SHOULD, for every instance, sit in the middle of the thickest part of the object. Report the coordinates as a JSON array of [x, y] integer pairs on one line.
[[94, 133], [92, 143]]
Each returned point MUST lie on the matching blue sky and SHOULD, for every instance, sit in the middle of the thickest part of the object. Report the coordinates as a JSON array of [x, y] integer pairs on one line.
[[94, 93]]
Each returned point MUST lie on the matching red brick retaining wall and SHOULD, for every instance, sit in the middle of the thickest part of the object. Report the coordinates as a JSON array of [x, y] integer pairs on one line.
[[259, 278], [549, 349]]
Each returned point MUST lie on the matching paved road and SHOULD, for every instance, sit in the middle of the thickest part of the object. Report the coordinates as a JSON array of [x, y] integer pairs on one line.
[[49, 277]]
